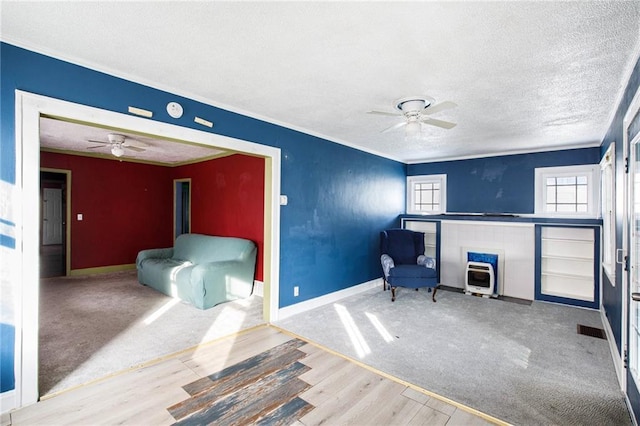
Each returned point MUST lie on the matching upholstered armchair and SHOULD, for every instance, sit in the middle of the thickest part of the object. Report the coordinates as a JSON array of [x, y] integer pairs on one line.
[[404, 263]]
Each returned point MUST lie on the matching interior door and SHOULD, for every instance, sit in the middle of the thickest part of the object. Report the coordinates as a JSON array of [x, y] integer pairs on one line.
[[51, 216]]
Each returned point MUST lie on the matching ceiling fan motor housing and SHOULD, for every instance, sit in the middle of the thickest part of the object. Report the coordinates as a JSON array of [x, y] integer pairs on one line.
[[412, 106], [116, 138]]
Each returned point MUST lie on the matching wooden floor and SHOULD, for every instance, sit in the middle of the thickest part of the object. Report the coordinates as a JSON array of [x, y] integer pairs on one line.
[[262, 376]]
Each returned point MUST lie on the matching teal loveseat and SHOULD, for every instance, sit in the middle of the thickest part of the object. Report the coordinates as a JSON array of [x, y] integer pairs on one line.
[[202, 270]]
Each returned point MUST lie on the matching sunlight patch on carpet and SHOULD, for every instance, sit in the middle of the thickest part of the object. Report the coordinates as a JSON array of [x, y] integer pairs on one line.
[[357, 339], [379, 327], [161, 311]]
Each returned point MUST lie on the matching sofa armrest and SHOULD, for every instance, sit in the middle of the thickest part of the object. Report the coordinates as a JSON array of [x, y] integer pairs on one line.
[[427, 261], [159, 253], [217, 282]]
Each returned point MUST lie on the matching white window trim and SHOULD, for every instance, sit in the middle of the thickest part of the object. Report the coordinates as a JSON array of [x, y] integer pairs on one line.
[[593, 181], [608, 162], [412, 180]]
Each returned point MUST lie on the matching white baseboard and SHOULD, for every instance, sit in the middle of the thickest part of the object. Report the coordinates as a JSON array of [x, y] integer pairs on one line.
[[258, 288], [7, 401], [316, 302], [615, 355]]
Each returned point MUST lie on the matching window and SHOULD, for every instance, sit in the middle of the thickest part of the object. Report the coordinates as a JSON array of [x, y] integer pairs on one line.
[[607, 181], [427, 194], [570, 191]]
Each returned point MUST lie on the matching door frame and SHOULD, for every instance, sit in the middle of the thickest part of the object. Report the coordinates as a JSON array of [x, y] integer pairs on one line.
[[626, 302], [28, 110], [67, 215]]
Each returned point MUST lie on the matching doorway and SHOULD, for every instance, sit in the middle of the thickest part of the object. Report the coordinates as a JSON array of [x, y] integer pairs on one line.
[[29, 109], [54, 206], [181, 207]]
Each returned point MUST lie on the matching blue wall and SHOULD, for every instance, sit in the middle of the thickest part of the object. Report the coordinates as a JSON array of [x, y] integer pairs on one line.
[[339, 197], [502, 184]]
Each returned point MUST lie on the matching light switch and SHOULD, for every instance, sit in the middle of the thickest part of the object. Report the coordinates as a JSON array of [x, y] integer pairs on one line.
[[284, 200], [79, 216]]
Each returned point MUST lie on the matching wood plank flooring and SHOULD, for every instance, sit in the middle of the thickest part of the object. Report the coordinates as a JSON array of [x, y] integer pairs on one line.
[[262, 376]]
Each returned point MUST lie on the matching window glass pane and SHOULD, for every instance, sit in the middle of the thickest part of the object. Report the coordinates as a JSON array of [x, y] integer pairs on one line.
[[582, 208], [551, 181], [551, 207], [566, 194], [551, 194], [582, 194], [436, 197], [567, 180], [566, 207], [582, 180]]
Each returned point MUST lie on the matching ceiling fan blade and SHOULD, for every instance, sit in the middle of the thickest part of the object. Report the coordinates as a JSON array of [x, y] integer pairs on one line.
[[134, 143], [442, 106], [391, 114], [394, 127], [438, 123], [134, 148], [96, 147]]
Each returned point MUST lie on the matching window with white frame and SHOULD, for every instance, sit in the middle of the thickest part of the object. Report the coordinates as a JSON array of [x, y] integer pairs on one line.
[[569, 191], [427, 194], [607, 192]]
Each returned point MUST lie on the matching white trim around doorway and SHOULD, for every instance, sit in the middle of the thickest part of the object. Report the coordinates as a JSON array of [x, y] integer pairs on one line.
[[28, 110]]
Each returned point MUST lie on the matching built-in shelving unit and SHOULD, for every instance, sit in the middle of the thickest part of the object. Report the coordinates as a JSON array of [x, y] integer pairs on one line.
[[566, 264]]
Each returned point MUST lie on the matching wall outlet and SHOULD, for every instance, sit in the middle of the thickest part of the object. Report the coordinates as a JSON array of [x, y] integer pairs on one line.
[[296, 291]]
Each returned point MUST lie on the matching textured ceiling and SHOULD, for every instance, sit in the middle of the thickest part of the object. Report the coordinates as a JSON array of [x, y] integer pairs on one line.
[[526, 76], [58, 135]]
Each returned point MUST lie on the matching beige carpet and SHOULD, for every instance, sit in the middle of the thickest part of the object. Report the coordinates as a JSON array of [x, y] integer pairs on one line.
[[91, 327]]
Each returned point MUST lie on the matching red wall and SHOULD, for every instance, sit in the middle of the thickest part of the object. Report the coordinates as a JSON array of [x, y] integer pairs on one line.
[[227, 199], [126, 207]]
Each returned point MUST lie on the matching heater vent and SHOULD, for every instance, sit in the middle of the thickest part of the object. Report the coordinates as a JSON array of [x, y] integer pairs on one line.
[[592, 331]]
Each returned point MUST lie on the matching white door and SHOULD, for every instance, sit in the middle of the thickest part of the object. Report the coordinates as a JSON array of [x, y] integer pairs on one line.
[[51, 216]]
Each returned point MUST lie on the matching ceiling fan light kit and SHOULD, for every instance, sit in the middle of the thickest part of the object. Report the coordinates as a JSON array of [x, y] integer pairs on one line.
[[117, 150]]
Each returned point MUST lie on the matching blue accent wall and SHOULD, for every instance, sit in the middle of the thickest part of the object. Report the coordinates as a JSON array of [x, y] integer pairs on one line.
[[503, 184], [340, 198]]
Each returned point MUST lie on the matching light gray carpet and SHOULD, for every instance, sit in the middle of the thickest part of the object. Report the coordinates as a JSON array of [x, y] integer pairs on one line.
[[91, 327], [526, 365]]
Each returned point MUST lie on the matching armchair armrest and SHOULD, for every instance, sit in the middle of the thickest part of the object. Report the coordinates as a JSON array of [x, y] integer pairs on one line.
[[387, 264], [427, 261], [161, 253]]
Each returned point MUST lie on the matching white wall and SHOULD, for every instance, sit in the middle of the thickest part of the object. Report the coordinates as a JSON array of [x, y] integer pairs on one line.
[[514, 242]]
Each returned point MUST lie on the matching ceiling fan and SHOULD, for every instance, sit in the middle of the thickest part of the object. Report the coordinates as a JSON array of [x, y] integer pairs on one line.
[[416, 111], [119, 143]]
